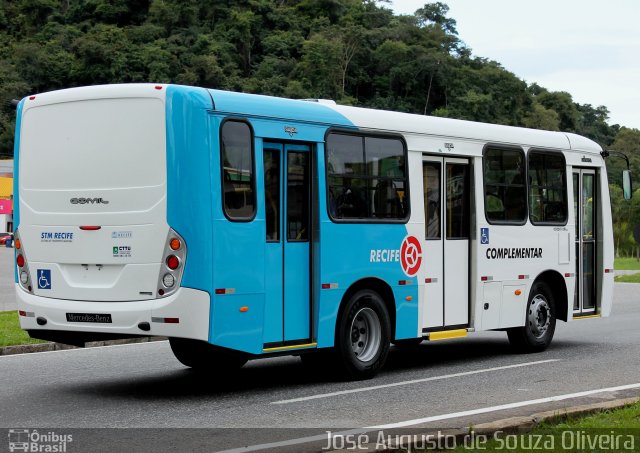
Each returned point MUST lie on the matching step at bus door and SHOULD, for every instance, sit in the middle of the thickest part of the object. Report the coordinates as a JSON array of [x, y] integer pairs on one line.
[[584, 209], [287, 200], [446, 244]]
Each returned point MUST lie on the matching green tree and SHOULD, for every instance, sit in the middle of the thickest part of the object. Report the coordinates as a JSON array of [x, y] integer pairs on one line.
[[321, 65], [626, 141], [594, 124], [562, 103], [542, 118], [622, 226], [436, 13], [355, 51]]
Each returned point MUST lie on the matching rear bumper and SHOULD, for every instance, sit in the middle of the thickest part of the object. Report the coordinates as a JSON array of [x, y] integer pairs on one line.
[[191, 307]]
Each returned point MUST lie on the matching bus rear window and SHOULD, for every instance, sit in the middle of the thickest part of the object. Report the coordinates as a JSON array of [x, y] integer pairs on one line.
[[237, 171]]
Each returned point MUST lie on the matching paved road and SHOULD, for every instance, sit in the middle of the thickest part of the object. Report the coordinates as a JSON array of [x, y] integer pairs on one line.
[[626, 272], [137, 386]]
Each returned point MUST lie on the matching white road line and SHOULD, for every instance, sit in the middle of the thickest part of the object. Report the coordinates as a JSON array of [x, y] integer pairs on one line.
[[413, 381], [484, 410], [27, 354], [420, 421]]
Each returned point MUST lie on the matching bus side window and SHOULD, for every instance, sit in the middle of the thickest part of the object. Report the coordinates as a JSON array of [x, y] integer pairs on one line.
[[386, 200], [366, 177], [504, 185], [547, 191], [298, 196], [345, 176], [272, 194], [236, 157], [431, 184], [493, 193]]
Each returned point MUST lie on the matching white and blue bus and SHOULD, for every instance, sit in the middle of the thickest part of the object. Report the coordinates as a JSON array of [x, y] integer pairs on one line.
[[244, 226]]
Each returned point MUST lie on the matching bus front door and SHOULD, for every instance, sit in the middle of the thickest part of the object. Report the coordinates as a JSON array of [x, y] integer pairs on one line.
[[584, 209], [287, 218], [446, 244]]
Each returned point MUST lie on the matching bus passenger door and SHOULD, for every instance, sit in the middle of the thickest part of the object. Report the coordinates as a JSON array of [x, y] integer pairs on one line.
[[287, 282], [446, 244], [584, 209]]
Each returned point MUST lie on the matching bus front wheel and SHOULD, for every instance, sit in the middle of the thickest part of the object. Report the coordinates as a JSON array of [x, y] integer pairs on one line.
[[203, 356], [363, 335], [540, 321]]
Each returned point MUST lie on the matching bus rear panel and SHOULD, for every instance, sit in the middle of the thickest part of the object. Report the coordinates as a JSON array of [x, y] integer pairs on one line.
[[92, 218]]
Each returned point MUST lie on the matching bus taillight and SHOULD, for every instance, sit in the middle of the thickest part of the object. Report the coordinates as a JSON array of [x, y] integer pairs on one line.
[[174, 256], [168, 280], [175, 244], [173, 262], [23, 267]]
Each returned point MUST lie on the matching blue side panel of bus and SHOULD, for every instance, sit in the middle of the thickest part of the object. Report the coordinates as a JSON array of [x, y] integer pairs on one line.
[[345, 260], [230, 256], [271, 107], [16, 175], [345, 251], [238, 263], [188, 182], [239, 256]]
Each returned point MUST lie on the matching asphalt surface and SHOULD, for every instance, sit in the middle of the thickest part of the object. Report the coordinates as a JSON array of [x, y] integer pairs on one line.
[[144, 386]]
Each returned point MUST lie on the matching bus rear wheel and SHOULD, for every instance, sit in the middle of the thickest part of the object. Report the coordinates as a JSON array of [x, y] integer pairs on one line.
[[363, 335], [540, 321], [202, 356]]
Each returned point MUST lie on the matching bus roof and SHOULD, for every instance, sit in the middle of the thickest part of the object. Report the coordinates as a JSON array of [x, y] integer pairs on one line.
[[257, 105], [388, 121], [408, 123], [329, 113]]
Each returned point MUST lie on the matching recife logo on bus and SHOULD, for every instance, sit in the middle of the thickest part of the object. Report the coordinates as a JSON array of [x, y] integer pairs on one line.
[[409, 255]]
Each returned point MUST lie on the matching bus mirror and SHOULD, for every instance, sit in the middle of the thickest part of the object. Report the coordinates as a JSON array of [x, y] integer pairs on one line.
[[626, 184]]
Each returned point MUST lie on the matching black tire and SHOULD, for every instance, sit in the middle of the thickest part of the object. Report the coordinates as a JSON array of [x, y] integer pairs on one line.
[[362, 336], [203, 356], [540, 321]]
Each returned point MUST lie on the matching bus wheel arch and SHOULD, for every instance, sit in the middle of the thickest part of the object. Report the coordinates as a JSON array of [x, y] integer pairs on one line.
[[384, 291], [543, 305], [363, 330], [363, 334], [558, 286]]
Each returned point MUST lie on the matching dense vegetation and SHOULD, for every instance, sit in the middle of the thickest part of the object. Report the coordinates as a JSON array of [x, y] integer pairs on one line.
[[354, 51]]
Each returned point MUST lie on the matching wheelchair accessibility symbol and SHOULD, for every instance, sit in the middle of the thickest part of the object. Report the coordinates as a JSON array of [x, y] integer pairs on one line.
[[484, 235], [44, 278]]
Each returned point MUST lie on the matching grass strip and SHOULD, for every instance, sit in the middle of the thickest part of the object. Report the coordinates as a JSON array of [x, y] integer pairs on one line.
[[10, 332], [615, 430], [626, 264], [631, 278]]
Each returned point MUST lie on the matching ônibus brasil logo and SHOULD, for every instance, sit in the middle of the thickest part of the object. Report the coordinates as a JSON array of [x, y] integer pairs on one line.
[[410, 256]]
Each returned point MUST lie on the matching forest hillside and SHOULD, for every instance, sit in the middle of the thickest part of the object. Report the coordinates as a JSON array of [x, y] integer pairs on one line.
[[353, 51]]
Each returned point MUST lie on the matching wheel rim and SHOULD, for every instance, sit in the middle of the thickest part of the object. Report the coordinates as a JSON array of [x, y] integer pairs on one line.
[[539, 316], [366, 333]]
